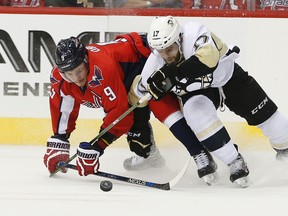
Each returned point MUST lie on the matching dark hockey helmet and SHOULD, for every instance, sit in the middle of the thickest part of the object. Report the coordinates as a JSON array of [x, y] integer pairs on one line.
[[69, 54]]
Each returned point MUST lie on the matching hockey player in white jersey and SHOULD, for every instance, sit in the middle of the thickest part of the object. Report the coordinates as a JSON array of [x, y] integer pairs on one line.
[[196, 65]]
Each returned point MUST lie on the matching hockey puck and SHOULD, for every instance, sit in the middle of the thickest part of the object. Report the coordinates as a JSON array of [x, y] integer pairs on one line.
[[106, 186]]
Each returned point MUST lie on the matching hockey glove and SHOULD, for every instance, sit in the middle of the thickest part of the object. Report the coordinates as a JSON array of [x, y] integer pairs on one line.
[[57, 151], [140, 141], [88, 157], [162, 81]]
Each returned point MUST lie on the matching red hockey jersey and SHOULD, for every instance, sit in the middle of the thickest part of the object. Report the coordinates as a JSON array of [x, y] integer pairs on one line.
[[110, 64]]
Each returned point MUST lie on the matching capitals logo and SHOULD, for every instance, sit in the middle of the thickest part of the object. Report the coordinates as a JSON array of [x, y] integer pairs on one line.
[[96, 78]]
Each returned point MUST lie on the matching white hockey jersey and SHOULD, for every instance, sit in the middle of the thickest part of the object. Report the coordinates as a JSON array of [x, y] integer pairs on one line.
[[196, 38]]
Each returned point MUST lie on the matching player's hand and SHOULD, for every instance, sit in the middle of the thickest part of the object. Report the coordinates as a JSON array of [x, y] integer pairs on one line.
[[140, 141], [155, 85], [162, 81], [57, 151], [88, 158]]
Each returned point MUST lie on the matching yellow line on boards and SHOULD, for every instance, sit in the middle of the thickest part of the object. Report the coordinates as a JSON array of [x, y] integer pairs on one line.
[[35, 131]]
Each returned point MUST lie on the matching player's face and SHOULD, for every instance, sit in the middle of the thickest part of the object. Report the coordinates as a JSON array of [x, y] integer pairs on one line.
[[170, 54], [78, 75]]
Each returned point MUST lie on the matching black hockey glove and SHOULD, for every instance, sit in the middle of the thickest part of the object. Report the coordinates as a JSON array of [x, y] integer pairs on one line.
[[162, 81], [140, 136], [140, 141]]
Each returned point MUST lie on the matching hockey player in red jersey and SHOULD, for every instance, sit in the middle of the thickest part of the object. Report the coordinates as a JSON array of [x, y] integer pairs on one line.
[[90, 76], [100, 75]]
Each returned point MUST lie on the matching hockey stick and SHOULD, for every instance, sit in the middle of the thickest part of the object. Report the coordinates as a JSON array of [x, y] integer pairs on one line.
[[93, 141], [162, 186]]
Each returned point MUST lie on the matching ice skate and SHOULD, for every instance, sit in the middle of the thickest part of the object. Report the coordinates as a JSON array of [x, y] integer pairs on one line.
[[135, 163], [239, 172], [206, 167], [282, 154]]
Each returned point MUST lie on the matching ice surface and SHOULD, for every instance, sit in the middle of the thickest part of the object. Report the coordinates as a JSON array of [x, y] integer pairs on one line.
[[26, 189]]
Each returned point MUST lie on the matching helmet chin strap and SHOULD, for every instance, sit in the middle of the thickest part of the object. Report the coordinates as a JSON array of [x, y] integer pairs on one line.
[[181, 56]]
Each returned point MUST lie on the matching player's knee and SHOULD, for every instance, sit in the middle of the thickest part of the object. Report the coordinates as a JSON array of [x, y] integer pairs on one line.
[[200, 113]]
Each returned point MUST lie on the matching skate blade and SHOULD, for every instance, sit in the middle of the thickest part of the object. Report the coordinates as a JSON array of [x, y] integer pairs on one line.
[[243, 182], [209, 179]]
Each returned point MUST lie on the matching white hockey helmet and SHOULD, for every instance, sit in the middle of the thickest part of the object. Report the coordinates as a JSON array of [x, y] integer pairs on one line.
[[163, 32]]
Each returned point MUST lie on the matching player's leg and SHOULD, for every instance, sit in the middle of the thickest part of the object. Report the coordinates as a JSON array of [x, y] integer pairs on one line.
[[258, 109], [167, 111], [201, 115], [276, 129]]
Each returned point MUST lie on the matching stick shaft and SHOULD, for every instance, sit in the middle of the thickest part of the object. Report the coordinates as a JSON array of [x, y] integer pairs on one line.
[[162, 186]]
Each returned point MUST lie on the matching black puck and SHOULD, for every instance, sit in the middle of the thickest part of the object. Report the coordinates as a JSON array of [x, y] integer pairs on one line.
[[106, 186]]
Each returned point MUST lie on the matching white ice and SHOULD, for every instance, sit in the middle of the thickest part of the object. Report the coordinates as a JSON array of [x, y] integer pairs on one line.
[[27, 189]]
